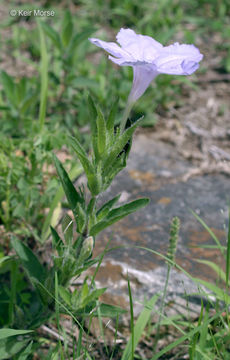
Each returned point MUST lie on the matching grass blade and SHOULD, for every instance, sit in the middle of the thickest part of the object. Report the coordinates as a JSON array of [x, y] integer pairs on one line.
[[187, 336], [228, 252], [130, 352], [140, 326], [44, 77], [214, 267], [209, 231]]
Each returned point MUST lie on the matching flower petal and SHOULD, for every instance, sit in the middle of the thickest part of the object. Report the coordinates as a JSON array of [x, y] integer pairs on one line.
[[127, 61], [141, 47], [178, 59], [189, 67], [149, 58], [142, 77], [110, 47], [125, 37]]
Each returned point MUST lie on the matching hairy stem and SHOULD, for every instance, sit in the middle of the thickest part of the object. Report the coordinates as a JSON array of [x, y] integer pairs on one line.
[[125, 116]]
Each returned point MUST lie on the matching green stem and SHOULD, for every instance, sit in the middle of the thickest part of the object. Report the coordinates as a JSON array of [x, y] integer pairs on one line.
[[7, 207], [13, 281], [91, 216], [44, 78], [125, 116]]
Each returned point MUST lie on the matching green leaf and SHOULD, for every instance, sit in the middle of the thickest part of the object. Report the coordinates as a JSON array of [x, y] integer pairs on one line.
[[93, 179], [128, 208], [104, 210], [111, 122], [140, 326], [94, 139], [10, 347], [20, 90], [93, 125], [101, 133], [117, 214], [67, 228], [19, 211], [4, 258], [86, 266], [29, 261], [56, 241], [107, 310], [81, 218], [93, 114], [4, 108], [5, 333], [25, 353], [92, 297], [73, 174], [65, 294], [78, 38], [6, 263], [120, 164], [82, 82], [28, 102], [71, 193], [52, 34], [86, 250], [9, 86], [67, 30], [118, 146], [79, 150], [84, 291], [111, 119]]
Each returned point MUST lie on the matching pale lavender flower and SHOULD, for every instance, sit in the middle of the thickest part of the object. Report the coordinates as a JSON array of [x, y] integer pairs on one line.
[[149, 58]]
